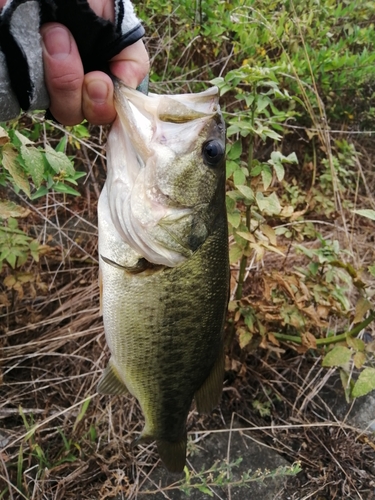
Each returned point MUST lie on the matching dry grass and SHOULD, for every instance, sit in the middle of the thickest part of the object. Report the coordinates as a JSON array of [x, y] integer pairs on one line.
[[337, 459], [50, 369], [54, 446]]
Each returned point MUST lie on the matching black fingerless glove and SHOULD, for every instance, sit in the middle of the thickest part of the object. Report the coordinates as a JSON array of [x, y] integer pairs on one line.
[[21, 64]]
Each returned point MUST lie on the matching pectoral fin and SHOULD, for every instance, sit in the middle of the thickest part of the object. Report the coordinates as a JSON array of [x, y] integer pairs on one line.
[[111, 383], [208, 395]]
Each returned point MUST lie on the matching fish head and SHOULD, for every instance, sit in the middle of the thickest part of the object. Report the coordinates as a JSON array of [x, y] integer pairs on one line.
[[166, 171]]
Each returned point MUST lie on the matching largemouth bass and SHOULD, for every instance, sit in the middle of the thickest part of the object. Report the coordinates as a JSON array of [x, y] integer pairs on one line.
[[164, 268]]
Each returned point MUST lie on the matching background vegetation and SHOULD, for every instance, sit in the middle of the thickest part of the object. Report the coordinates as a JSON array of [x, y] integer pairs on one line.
[[296, 80]]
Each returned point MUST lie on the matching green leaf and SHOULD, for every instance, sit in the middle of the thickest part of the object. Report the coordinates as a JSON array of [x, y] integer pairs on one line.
[[267, 132], [234, 219], [81, 130], [217, 81], [231, 167], [11, 258], [363, 305], [22, 138], [11, 163], [59, 162], [365, 383], [42, 191], [22, 258], [247, 192], [235, 253], [4, 254], [34, 162], [269, 205], [357, 344], [71, 180], [12, 223], [338, 356], [359, 359], [239, 178], [244, 128], [34, 245], [279, 170], [63, 188], [292, 158], [11, 209], [206, 490], [365, 212], [230, 203], [246, 235], [78, 175], [224, 89], [262, 102], [60, 148], [256, 169], [82, 412], [266, 177], [277, 159], [235, 150]]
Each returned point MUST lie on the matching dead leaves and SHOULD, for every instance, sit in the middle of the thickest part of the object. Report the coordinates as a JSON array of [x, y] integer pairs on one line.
[[282, 302], [290, 293]]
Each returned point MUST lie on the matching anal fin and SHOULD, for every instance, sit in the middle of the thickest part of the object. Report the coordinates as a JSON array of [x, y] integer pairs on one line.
[[208, 395], [111, 383]]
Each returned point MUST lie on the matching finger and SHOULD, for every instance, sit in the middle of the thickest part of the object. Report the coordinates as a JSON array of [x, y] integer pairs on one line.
[[97, 99], [103, 8], [132, 64], [63, 73]]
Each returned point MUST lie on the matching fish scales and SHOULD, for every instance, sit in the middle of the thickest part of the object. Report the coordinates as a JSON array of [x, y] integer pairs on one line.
[[168, 356], [164, 324]]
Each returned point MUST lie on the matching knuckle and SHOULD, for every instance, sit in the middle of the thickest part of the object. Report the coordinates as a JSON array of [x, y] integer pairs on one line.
[[67, 82]]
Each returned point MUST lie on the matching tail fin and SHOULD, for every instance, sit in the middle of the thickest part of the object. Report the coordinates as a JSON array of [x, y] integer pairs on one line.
[[173, 454]]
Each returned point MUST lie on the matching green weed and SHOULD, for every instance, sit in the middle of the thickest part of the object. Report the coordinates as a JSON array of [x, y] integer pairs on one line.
[[34, 169], [44, 456]]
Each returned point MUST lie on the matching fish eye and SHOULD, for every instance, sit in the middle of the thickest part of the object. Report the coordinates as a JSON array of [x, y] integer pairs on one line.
[[213, 152]]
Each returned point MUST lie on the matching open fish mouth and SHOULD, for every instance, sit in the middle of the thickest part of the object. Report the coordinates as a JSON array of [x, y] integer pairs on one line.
[[151, 137]]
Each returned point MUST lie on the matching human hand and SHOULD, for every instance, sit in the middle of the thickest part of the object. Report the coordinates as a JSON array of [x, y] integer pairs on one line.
[[74, 95]]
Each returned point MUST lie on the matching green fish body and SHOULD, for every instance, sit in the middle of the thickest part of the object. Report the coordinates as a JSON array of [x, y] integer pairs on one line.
[[164, 270]]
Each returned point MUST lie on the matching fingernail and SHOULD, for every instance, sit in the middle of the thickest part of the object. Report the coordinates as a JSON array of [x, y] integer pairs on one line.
[[97, 91], [57, 42]]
